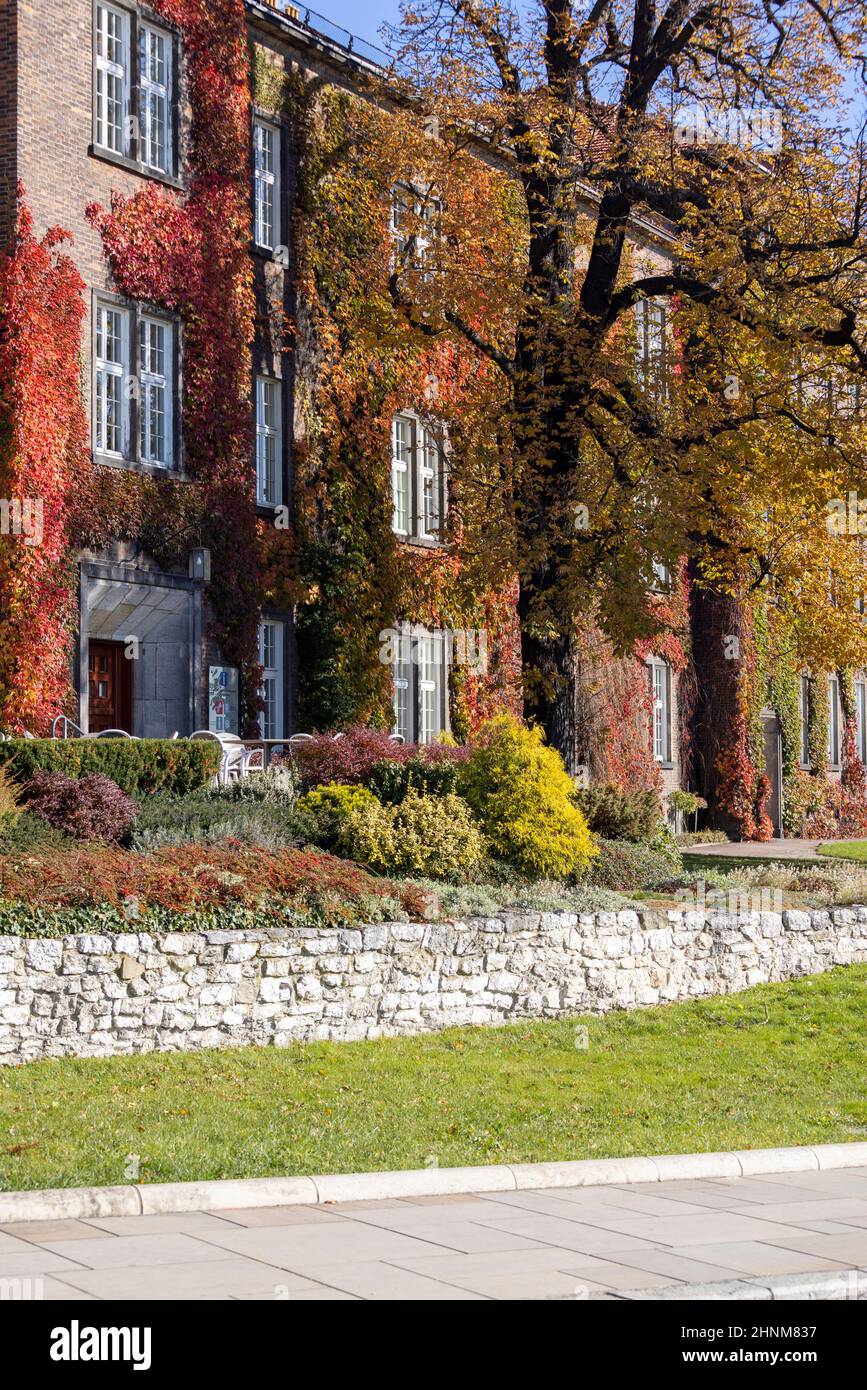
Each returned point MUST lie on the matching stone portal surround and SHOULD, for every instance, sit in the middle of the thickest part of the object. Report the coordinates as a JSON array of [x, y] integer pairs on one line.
[[100, 995]]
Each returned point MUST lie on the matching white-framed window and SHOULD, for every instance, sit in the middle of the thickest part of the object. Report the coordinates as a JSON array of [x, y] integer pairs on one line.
[[651, 323], [418, 479], [414, 215], [271, 645], [805, 720], [156, 390], [155, 98], [661, 575], [266, 185], [661, 701], [420, 673], [861, 720], [269, 441], [134, 385], [111, 373], [833, 721], [134, 88], [112, 78], [402, 452]]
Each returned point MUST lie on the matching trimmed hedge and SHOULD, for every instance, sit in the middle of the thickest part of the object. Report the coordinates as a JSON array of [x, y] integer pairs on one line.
[[138, 766]]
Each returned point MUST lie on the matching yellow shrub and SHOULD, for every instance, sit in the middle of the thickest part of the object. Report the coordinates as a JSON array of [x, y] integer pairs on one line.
[[431, 835], [323, 812], [10, 795], [524, 798]]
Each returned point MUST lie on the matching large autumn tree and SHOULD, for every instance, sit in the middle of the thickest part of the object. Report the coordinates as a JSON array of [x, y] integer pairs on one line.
[[694, 168]]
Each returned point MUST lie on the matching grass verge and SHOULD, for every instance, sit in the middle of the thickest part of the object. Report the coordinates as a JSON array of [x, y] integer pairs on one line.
[[845, 849], [779, 1064]]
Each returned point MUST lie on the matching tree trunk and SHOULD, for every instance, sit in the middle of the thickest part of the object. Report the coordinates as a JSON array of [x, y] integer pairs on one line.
[[549, 687]]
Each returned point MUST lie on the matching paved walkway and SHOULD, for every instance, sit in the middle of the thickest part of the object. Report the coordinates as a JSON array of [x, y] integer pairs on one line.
[[769, 849], [601, 1242]]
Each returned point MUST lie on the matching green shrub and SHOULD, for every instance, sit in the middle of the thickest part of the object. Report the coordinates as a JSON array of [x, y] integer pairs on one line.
[[615, 814], [524, 799], [324, 811], [627, 867], [139, 766], [195, 819], [278, 785], [431, 835], [29, 832], [391, 781]]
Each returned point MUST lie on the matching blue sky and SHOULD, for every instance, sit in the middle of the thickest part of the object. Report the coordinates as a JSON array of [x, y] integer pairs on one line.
[[361, 17]]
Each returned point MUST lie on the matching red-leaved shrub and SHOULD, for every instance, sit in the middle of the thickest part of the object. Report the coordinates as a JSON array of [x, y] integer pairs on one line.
[[187, 877], [352, 756], [91, 807]]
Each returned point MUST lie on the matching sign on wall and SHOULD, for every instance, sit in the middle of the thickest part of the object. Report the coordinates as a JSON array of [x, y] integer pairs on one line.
[[223, 699]]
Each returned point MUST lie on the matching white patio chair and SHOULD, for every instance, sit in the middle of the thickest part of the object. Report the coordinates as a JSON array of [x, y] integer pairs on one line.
[[233, 755], [254, 761], [111, 733], [61, 726]]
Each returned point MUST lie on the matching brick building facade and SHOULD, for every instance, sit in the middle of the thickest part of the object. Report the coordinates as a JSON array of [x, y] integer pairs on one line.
[[94, 102]]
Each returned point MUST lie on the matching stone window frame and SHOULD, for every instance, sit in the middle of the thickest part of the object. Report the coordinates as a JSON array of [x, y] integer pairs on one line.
[[139, 16]]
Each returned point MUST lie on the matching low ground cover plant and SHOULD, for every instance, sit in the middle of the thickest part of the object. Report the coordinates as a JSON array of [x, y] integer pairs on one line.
[[195, 878], [201, 820], [628, 868]]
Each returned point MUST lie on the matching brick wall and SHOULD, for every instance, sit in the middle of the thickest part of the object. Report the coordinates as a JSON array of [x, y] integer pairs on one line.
[[8, 122]]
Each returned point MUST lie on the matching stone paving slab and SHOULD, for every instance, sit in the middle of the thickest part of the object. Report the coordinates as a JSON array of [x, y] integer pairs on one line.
[[767, 849], [751, 1237]]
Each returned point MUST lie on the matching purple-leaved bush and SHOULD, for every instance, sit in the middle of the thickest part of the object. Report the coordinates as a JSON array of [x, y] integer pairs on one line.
[[91, 807]]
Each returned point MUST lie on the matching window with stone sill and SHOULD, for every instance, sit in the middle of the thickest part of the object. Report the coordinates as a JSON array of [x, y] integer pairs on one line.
[[134, 89], [135, 401], [418, 479]]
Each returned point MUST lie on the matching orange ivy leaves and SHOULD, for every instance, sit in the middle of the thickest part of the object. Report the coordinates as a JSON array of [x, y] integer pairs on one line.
[[43, 456]]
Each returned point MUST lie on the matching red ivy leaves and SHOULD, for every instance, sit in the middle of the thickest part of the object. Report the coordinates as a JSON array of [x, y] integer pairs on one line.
[[43, 454]]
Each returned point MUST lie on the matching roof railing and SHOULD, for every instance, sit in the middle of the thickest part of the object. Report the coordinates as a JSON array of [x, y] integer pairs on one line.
[[335, 33]]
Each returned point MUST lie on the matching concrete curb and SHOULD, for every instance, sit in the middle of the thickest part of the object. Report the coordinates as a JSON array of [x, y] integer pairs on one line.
[[834, 1284], [53, 1204]]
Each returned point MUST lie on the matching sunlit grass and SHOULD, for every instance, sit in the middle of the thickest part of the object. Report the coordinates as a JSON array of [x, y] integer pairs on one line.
[[780, 1064]]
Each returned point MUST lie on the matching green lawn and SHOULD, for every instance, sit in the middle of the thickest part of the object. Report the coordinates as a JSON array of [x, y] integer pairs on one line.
[[844, 849], [780, 1064]]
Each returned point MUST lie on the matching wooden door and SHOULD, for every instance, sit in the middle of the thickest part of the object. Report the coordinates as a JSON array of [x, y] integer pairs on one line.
[[109, 687]]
